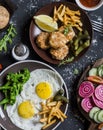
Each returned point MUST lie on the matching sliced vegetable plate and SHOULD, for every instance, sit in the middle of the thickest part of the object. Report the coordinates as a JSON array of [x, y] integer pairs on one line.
[[90, 94], [16, 67]]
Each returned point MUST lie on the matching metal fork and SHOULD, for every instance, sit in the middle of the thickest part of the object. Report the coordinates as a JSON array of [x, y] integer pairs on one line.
[[97, 26]]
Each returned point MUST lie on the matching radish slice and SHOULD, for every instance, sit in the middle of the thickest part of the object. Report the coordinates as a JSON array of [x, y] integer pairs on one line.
[[86, 89], [97, 102], [99, 92], [87, 104]]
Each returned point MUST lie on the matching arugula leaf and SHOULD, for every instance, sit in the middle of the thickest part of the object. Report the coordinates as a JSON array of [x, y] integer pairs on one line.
[[67, 60], [76, 71], [11, 32]]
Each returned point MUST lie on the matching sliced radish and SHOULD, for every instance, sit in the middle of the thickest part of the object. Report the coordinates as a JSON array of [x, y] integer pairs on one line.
[[87, 104], [99, 92], [86, 89], [97, 102]]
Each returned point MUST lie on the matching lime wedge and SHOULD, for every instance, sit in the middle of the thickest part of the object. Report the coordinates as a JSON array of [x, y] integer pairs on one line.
[[46, 23]]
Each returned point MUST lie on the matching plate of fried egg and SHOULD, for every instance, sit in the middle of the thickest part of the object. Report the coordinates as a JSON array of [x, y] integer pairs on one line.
[[60, 32], [33, 96]]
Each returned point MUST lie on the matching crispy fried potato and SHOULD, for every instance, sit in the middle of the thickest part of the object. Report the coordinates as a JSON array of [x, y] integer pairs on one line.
[[43, 120], [67, 16], [60, 8], [43, 112], [52, 103], [49, 124], [51, 112], [49, 100]]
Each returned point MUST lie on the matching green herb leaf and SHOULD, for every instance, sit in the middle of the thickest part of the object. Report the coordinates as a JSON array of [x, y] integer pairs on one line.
[[13, 86], [8, 37], [76, 71], [67, 29], [68, 60]]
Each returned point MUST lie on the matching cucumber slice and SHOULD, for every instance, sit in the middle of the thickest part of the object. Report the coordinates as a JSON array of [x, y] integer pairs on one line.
[[93, 72], [100, 67], [100, 116], [93, 111], [100, 70], [96, 117], [102, 73]]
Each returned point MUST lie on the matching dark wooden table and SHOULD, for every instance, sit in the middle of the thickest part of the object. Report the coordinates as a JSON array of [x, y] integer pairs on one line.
[[21, 20]]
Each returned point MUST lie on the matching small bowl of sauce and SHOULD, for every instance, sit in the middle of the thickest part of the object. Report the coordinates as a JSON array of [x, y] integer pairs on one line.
[[89, 5]]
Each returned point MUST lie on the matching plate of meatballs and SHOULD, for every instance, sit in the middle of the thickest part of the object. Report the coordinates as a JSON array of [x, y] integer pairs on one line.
[[59, 45]]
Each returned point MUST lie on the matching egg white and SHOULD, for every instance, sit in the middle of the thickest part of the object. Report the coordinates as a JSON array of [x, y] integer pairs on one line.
[[29, 93]]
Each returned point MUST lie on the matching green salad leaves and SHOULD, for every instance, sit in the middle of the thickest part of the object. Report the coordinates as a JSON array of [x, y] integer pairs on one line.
[[13, 86]]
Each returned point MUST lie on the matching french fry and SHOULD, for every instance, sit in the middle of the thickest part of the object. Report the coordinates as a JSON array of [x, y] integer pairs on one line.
[[49, 124], [63, 11], [56, 114], [60, 8], [43, 120], [51, 103], [77, 26], [55, 14], [49, 100], [51, 112], [59, 103], [62, 114], [60, 17], [43, 112], [68, 16]]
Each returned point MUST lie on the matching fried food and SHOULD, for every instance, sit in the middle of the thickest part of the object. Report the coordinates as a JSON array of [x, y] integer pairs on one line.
[[68, 32], [59, 53], [43, 40], [51, 112], [49, 124], [57, 40], [67, 16], [4, 17]]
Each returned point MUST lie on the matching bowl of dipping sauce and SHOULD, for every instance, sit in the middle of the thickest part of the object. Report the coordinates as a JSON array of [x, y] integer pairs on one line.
[[89, 5]]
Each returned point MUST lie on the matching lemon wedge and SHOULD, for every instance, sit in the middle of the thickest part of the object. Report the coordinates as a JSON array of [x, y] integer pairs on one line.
[[46, 23]]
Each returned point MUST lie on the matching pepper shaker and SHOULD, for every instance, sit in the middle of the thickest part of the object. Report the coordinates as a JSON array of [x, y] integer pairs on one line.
[[20, 52]]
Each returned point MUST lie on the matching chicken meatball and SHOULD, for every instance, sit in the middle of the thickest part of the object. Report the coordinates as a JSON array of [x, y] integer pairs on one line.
[[59, 53], [43, 40], [57, 40], [69, 34]]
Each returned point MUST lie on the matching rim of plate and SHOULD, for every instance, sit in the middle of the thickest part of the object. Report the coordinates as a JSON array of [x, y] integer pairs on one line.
[[35, 61]]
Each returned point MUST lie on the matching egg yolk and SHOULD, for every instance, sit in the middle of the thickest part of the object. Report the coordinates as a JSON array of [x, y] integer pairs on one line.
[[44, 90], [26, 109]]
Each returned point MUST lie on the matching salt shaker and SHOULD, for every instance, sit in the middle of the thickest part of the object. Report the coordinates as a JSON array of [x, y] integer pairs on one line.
[[20, 52]]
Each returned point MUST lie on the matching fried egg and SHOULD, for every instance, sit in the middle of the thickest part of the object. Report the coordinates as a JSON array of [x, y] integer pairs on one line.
[[42, 84]]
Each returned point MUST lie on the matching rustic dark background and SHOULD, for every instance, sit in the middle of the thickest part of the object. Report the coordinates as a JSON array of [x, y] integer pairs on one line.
[[22, 12]]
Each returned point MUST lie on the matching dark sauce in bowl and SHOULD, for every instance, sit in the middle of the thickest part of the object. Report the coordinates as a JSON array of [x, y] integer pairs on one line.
[[89, 3]]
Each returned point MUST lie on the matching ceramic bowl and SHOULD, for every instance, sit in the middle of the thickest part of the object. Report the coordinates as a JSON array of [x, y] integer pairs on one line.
[[89, 8]]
